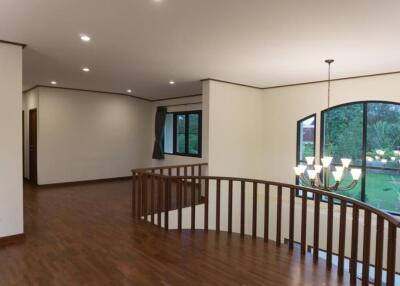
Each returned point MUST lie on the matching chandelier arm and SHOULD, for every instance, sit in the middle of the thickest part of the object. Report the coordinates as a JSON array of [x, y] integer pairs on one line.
[[348, 187], [304, 181]]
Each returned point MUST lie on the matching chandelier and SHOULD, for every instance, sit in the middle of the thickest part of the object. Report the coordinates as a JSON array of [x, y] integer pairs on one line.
[[319, 175]]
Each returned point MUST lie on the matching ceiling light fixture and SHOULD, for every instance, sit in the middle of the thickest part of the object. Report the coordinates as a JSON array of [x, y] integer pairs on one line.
[[129, 90], [319, 176], [86, 69], [53, 82], [171, 82], [85, 38]]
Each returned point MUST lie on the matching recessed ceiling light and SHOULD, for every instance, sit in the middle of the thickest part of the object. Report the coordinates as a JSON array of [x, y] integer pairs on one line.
[[171, 82], [129, 90], [53, 82], [86, 69], [85, 38]]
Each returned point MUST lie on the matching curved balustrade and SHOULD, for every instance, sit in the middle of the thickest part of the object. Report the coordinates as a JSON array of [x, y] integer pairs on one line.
[[154, 191]]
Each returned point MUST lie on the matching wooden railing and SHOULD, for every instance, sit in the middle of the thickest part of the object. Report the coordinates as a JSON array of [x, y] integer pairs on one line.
[[147, 182]]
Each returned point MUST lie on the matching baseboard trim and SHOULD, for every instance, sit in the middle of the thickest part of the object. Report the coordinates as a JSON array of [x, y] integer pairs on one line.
[[66, 184], [12, 239]]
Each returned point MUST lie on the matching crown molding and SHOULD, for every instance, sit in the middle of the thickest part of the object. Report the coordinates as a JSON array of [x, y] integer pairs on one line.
[[177, 97], [87, 90], [14, 43], [304, 83]]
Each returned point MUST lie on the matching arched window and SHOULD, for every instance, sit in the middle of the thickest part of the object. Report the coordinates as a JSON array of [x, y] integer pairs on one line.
[[369, 134]]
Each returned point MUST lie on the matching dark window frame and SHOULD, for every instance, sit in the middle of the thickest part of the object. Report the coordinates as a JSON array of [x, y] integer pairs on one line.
[[363, 166], [175, 130]]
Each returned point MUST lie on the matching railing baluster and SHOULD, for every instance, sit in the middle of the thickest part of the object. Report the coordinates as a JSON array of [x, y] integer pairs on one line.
[[159, 200], [266, 212], [230, 206], [391, 257], [317, 199], [193, 223], [170, 172], [242, 204], [140, 196], [185, 193], [329, 234], [207, 183], [152, 197], [134, 193], [199, 183], [366, 247], [218, 206], [178, 171], [179, 202], [279, 217], [291, 218], [304, 223], [342, 237], [379, 250], [145, 181], [254, 209], [354, 244], [166, 201]]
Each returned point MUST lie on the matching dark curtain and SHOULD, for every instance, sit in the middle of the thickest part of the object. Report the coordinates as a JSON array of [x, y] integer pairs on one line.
[[158, 151]]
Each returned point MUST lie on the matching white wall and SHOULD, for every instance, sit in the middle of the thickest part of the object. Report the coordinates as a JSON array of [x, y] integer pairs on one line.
[[88, 136], [235, 131], [30, 101], [171, 160], [252, 134], [11, 204]]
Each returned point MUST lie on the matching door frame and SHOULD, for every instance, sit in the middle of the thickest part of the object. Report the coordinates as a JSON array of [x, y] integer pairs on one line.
[[32, 176]]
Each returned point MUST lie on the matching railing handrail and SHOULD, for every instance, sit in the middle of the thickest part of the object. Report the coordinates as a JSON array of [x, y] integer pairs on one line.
[[168, 167], [389, 217]]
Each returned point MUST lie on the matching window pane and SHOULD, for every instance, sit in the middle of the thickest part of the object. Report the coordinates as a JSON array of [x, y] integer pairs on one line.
[[383, 189], [383, 135], [180, 136], [307, 138], [168, 133], [194, 121], [180, 143], [181, 123], [342, 136]]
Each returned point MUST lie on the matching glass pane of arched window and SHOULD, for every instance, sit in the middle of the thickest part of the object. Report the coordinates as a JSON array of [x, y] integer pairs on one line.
[[343, 133], [383, 156], [306, 138]]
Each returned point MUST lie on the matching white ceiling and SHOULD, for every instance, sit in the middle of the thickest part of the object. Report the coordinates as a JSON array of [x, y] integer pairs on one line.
[[143, 44]]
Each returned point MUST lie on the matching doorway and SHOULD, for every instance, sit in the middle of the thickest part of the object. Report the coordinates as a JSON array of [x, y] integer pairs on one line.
[[33, 146]]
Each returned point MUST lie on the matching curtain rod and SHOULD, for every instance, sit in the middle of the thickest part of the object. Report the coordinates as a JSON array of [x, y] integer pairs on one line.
[[182, 104]]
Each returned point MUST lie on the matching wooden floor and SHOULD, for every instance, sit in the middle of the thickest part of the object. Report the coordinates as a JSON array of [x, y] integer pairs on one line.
[[85, 235]]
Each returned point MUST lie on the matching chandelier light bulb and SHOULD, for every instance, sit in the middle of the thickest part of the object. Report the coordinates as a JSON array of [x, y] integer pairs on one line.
[[337, 175], [302, 168], [346, 162], [356, 174], [339, 169], [312, 174], [297, 171], [326, 161], [310, 160]]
